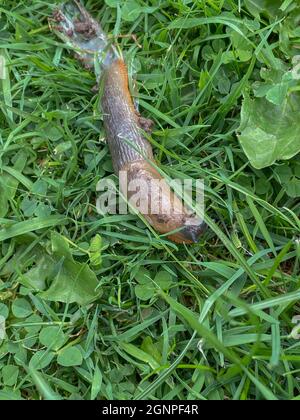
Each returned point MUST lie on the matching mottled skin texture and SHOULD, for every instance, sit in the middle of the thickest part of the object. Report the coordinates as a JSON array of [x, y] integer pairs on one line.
[[132, 153], [121, 121]]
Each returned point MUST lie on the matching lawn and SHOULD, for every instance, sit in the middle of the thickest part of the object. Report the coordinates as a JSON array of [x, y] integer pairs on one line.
[[102, 307]]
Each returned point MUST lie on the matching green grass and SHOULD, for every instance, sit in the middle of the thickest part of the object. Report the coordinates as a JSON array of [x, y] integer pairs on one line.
[[221, 328]]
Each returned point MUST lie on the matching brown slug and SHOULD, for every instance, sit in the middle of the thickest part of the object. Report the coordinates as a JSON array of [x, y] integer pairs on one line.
[[131, 152]]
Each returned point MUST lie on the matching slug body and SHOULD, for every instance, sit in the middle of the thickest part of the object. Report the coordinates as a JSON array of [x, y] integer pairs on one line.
[[132, 155], [121, 121]]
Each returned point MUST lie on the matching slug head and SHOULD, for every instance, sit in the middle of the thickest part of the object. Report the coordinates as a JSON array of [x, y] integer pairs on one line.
[[190, 233]]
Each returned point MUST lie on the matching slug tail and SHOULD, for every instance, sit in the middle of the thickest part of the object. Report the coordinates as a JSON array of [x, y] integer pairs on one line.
[[76, 28]]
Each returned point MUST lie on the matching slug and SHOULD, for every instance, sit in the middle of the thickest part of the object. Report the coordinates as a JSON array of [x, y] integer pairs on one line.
[[131, 152]]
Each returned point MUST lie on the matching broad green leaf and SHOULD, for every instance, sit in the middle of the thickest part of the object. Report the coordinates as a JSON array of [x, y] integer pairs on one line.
[[70, 356], [36, 277], [10, 375], [269, 132], [40, 187], [41, 359], [33, 324], [74, 281], [28, 206], [143, 276], [42, 210], [144, 291], [164, 280], [131, 10], [52, 337], [21, 308]]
